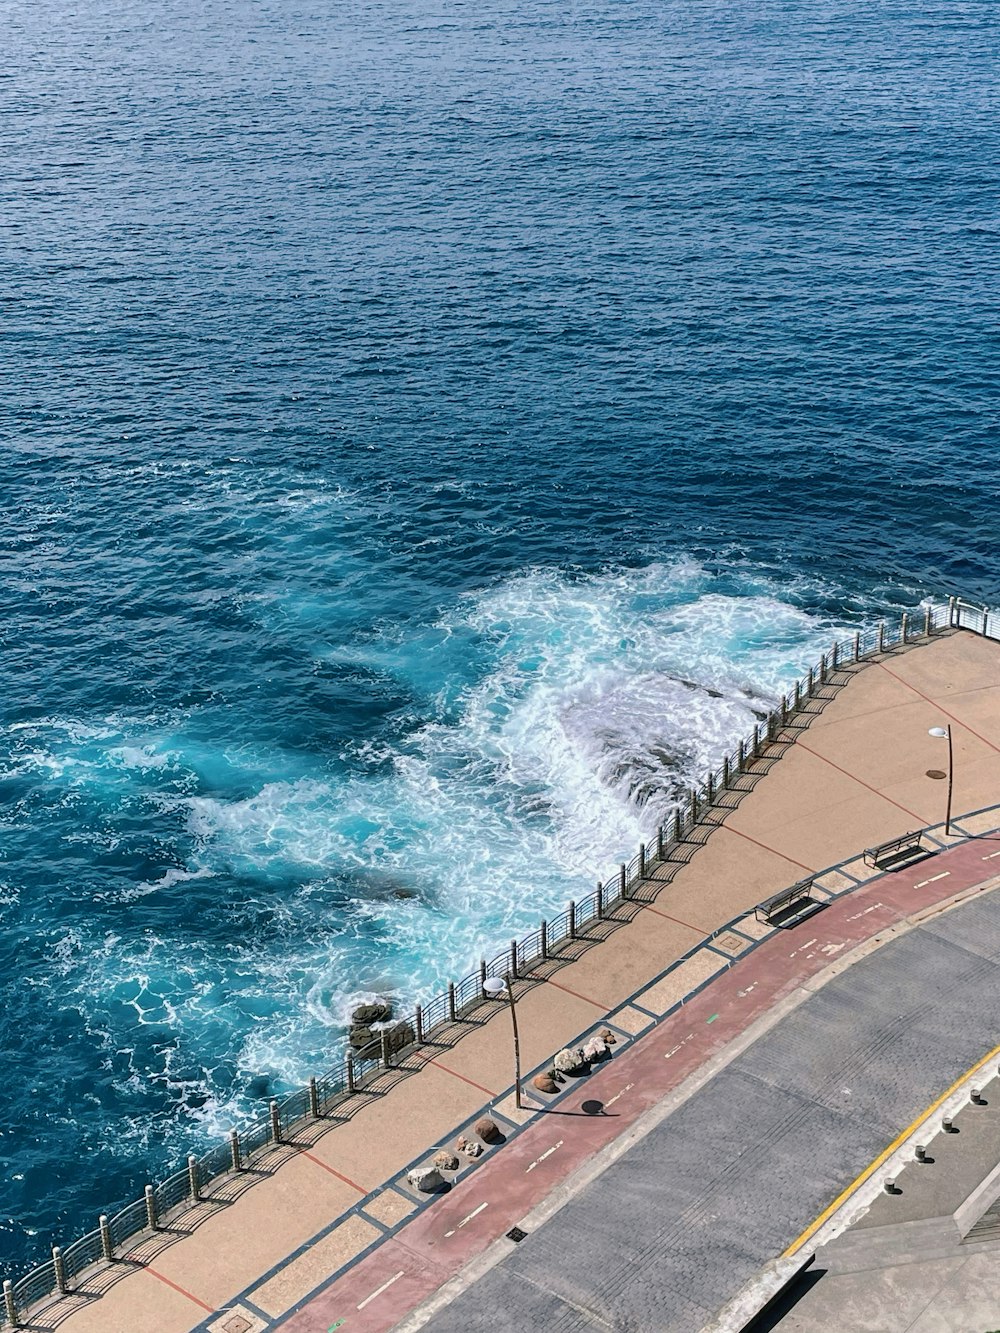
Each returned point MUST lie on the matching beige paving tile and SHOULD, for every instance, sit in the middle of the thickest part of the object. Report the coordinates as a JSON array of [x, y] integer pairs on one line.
[[238, 1243], [630, 1020], [681, 981], [303, 1274], [138, 1304], [389, 1207], [238, 1319], [731, 943]]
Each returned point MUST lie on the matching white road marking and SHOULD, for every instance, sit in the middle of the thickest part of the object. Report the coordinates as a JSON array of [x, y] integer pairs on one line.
[[547, 1153], [933, 879], [808, 945], [384, 1287], [475, 1212], [627, 1088], [674, 1049], [990, 857], [858, 915], [830, 949], [744, 993]]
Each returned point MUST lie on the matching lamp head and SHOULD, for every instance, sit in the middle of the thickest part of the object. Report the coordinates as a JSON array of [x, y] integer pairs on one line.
[[940, 732], [494, 987]]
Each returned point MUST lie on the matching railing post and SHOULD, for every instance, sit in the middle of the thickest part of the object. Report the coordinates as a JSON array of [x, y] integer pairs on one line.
[[351, 1084], [482, 973], [642, 860], [659, 843], [834, 655], [622, 881], [275, 1122], [600, 900], [903, 626], [857, 645], [694, 806], [151, 1219], [822, 669], [951, 612], [193, 1178], [418, 1022], [58, 1270], [385, 1049], [451, 1002], [798, 695], [543, 940], [513, 960], [784, 709], [677, 824], [234, 1147], [314, 1098], [881, 636], [928, 622], [771, 726], [812, 682], [10, 1309], [571, 919], [107, 1249], [725, 772], [710, 788]]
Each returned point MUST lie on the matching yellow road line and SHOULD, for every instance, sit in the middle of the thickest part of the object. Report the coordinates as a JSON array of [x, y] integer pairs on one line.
[[872, 1167]]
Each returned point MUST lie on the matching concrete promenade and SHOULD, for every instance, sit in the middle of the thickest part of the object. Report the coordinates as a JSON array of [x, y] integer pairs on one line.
[[852, 773]]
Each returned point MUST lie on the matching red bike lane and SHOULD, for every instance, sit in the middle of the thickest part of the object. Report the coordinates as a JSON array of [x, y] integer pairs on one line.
[[379, 1289]]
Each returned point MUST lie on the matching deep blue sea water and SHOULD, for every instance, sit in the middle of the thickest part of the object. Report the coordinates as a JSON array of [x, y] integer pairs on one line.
[[428, 431]]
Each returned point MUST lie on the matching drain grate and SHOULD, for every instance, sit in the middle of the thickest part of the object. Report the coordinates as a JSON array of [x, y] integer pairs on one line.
[[516, 1234]]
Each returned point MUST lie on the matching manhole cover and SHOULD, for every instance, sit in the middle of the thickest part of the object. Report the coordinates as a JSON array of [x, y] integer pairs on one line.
[[236, 1324], [516, 1234], [936, 773]]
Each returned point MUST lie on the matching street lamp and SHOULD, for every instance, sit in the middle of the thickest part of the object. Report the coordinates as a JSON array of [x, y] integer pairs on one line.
[[495, 987], [944, 733]]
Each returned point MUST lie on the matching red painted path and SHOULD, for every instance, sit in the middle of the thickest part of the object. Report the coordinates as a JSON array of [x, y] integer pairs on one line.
[[380, 1289]]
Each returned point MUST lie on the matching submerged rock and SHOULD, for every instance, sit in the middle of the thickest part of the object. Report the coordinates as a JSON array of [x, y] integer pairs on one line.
[[380, 1011]]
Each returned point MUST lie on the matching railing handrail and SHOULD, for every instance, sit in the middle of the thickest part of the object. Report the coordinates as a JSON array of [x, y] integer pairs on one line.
[[334, 1085]]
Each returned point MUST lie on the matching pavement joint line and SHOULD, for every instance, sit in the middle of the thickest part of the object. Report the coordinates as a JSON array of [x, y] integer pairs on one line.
[[957, 720], [676, 919], [598, 1004], [773, 850], [176, 1287], [860, 781], [340, 1176], [471, 1081], [886, 1153]]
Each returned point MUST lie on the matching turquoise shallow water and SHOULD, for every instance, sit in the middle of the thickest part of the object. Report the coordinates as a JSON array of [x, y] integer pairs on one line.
[[428, 434]]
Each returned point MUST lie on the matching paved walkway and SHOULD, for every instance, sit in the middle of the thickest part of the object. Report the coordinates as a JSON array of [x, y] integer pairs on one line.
[[663, 1211], [851, 772]]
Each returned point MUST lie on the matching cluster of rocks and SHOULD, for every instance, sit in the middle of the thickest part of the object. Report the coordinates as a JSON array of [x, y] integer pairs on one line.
[[429, 1179], [369, 1021], [575, 1060]]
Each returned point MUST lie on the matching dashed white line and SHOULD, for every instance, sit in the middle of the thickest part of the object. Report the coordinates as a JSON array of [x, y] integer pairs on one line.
[[858, 915], [627, 1088], [990, 857], [674, 1049], [933, 879], [547, 1153], [475, 1213], [384, 1287]]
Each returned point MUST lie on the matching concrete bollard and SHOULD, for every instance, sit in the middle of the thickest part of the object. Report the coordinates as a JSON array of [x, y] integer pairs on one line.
[[58, 1270], [920, 1152], [152, 1221], [976, 1097], [193, 1181], [890, 1186], [234, 1148], [107, 1249], [948, 1125], [10, 1309], [314, 1098], [275, 1122]]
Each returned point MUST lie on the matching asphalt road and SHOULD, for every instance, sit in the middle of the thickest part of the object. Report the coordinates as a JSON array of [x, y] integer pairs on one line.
[[676, 1226]]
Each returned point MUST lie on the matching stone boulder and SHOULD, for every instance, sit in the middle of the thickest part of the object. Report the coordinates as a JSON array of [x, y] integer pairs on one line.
[[609, 1038], [596, 1049], [378, 1012], [544, 1082], [445, 1160], [425, 1178], [400, 1035], [361, 1036], [487, 1130], [470, 1147], [570, 1061]]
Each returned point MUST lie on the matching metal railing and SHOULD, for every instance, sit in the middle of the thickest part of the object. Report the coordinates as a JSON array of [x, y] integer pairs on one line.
[[325, 1093]]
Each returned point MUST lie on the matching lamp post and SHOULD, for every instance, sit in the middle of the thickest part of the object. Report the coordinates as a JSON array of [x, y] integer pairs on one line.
[[944, 733], [495, 987]]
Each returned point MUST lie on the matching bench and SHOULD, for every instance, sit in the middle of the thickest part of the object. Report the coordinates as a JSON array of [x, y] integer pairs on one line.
[[896, 852], [790, 906]]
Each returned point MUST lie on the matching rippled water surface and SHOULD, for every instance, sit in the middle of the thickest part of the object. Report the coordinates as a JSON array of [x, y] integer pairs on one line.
[[428, 434]]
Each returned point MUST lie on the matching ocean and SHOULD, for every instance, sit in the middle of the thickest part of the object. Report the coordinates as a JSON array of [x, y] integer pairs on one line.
[[429, 433]]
